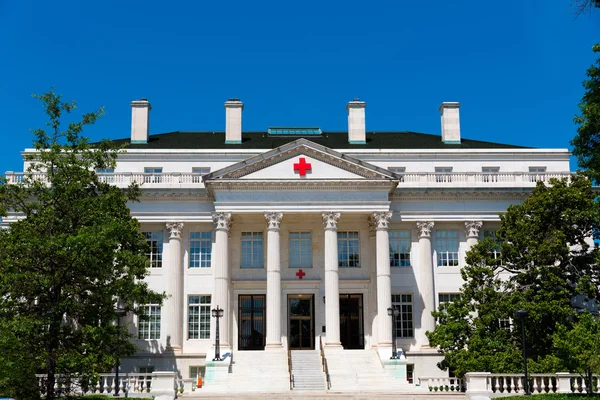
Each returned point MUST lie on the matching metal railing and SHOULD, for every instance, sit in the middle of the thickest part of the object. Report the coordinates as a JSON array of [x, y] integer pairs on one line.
[[324, 364], [289, 357]]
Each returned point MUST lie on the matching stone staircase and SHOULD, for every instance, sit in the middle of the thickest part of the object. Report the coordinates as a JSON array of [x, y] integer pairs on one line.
[[251, 371], [306, 368], [362, 371]]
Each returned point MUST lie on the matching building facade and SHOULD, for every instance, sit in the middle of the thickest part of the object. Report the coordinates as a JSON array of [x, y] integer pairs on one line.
[[307, 238]]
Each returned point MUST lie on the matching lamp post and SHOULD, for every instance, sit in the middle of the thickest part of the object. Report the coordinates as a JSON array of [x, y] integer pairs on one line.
[[217, 313], [120, 312], [394, 312], [521, 315]]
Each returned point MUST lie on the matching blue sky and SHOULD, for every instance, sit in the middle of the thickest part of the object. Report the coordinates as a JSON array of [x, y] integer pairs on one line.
[[516, 66]]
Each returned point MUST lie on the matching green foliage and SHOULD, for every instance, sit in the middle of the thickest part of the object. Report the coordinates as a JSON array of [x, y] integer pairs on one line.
[[580, 346], [587, 142], [66, 264], [553, 396], [545, 260]]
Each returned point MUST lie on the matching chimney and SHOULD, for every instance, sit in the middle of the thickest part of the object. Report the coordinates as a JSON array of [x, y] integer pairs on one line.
[[357, 133], [140, 120], [233, 121], [450, 122]]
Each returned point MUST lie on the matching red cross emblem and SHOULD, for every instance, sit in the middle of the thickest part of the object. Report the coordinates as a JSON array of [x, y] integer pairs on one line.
[[302, 167], [300, 274]]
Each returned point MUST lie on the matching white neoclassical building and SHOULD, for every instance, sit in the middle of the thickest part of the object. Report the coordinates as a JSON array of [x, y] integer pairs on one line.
[[306, 238]]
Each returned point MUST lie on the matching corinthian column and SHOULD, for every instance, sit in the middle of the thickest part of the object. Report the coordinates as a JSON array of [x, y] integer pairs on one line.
[[472, 232], [222, 221], [380, 221], [426, 287], [332, 280], [174, 304], [273, 280]]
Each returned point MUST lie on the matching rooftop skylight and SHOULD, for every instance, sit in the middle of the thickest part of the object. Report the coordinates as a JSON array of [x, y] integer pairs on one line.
[[282, 131]]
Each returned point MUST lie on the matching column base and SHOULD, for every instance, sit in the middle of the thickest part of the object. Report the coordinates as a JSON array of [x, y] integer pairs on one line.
[[174, 349]]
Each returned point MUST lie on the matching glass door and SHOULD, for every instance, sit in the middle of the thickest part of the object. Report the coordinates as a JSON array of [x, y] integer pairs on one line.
[[252, 322], [301, 323]]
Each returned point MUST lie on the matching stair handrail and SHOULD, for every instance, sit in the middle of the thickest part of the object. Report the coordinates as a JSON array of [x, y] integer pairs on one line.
[[324, 363], [230, 368], [289, 357]]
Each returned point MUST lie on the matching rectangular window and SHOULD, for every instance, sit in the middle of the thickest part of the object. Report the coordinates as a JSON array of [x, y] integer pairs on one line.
[[252, 250], [200, 249], [300, 250], [443, 174], [446, 245], [505, 323], [149, 323], [348, 249], [106, 175], [448, 297], [399, 248], [155, 241], [197, 173], [492, 234], [410, 368], [490, 174], [152, 175], [404, 321], [537, 174], [196, 372], [199, 317]]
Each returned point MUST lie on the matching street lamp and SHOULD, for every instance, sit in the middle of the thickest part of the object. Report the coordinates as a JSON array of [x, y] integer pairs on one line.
[[521, 315], [120, 313], [394, 312], [217, 313]]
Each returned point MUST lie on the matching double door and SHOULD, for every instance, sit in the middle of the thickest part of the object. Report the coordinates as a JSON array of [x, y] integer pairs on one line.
[[301, 322]]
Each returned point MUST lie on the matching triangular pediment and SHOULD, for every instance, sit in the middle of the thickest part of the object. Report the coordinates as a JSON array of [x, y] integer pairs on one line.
[[301, 160]]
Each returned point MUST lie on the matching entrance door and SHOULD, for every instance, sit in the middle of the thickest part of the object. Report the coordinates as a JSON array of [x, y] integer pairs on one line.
[[252, 322], [301, 328], [351, 321]]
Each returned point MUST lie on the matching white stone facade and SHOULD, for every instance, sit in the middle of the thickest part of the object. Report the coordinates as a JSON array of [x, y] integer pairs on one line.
[[348, 214]]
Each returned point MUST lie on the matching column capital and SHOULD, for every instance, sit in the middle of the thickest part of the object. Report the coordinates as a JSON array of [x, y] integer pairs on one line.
[[222, 220], [330, 219], [174, 229], [273, 220], [380, 220], [473, 228], [425, 228]]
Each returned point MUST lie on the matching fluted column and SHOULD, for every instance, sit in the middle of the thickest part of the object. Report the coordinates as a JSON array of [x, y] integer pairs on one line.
[[222, 221], [427, 288], [380, 221], [273, 280], [332, 280], [174, 304], [472, 232]]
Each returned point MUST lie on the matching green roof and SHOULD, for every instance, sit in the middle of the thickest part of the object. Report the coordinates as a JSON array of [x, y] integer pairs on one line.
[[334, 140]]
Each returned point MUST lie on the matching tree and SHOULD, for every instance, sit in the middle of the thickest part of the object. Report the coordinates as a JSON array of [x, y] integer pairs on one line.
[[546, 259], [75, 255], [587, 141], [580, 347]]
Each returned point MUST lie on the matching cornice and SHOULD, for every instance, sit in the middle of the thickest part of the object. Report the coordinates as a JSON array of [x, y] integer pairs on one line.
[[202, 197], [459, 195], [322, 184]]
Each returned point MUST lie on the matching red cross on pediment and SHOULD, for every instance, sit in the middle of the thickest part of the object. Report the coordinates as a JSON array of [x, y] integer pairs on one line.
[[302, 166], [300, 274]]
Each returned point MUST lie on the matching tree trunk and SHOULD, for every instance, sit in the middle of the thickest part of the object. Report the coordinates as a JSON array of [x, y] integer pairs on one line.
[[590, 385]]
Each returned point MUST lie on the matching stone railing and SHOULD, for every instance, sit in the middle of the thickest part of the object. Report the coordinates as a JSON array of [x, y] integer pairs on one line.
[[154, 383], [406, 180], [437, 384], [497, 385]]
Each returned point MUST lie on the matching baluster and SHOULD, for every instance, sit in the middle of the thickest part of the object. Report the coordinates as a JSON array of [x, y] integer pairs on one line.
[[583, 385]]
